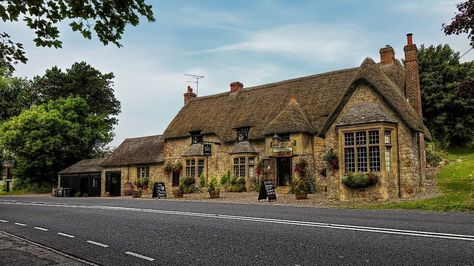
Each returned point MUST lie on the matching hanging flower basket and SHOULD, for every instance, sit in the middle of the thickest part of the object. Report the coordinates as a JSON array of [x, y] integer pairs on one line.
[[168, 169], [177, 167], [331, 160]]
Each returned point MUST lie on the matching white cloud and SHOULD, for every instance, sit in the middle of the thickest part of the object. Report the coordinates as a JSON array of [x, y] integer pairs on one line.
[[309, 42]]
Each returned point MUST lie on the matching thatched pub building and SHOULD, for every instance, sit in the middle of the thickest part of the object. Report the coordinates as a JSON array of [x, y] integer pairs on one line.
[[369, 117]]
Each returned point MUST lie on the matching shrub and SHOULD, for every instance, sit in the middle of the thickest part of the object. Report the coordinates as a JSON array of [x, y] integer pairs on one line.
[[168, 168], [359, 179], [213, 186], [142, 183], [202, 180], [189, 185], [300, 186], [77, 194], [236, 184], [433, 154], [300, 168], [225, 179]]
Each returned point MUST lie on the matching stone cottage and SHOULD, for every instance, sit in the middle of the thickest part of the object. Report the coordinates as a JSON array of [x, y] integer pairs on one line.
[[369, 116], [133, 159]]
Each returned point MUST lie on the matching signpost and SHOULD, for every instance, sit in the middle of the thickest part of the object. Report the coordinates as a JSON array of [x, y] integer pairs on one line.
[[159, 190], [8, 165], [267, 190]]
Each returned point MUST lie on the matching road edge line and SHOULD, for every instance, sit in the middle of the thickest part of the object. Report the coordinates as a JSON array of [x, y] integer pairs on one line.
[[51, 249]]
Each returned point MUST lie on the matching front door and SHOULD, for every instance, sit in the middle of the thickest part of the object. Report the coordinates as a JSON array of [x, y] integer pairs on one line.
[[113, 183], [84, 185], [175, 179], [283, 171]]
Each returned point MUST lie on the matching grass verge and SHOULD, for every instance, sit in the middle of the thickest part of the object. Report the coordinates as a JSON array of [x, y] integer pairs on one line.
[[455, 181]]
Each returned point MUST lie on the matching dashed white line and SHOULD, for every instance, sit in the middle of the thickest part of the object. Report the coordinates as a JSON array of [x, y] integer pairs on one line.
[[3, 221], [19, 224], [66, 235], [40, 228], [139, 256], [97, 244]]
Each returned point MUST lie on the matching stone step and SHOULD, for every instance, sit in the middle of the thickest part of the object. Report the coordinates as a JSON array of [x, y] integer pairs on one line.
[[282, 190]]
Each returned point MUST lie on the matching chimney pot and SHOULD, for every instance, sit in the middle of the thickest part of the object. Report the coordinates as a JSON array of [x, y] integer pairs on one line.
[[236, 86], [189, 95], [410, 38]]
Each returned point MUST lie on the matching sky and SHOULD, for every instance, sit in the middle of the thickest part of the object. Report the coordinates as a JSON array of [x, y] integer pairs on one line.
[[254, 42]]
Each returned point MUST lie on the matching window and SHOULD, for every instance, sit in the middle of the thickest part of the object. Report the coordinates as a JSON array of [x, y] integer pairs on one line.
[[239, 166], [194, 167], [361, 151], [251, 167], [143, 172], [200, 167], [243, 133], [388, 150], [196, 137], [191, 168]]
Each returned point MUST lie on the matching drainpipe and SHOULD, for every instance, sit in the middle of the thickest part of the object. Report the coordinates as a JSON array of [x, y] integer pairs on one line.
[[398, 166]]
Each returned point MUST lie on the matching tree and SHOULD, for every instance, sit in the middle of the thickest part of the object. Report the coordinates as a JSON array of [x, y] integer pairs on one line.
[[107, 18], [16, 94], [84, 81], [447, 94], [463, 22], [48, 137]]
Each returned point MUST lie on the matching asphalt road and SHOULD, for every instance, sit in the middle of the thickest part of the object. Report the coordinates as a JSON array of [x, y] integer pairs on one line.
[[168, 232]]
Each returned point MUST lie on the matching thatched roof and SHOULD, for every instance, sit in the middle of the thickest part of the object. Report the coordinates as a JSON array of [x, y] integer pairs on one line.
[[320, 99], [84, 166], [290, 120], [142, 150], [243, 147], [364, 113]]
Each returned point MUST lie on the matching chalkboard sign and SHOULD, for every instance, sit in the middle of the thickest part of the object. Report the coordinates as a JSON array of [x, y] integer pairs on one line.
[[267, 190], [159, 190]]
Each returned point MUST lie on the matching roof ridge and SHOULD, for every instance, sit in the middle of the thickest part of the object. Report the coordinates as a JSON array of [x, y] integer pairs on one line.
[[263, 86], [142, 137]]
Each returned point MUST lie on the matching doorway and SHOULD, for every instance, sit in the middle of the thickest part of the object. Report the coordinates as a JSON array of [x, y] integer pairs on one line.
[[84, 186], [113, 183], [175, 179], [283, 171]]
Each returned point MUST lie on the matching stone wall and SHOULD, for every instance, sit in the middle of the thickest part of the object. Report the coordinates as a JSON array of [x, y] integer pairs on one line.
[[405, 146]]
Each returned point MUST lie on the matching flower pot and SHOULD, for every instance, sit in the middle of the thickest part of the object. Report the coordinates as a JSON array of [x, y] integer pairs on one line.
[[214, 194], [178, 194], [127, 189], [301, 195], [136, 194]]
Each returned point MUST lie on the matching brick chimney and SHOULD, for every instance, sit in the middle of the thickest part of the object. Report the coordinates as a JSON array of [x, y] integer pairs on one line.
[[387, 55], [236, 86], [412, 76], [189, 95]]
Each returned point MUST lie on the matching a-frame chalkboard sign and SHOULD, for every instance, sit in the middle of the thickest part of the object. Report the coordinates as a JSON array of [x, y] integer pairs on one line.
[[267, 190], [159, 190]]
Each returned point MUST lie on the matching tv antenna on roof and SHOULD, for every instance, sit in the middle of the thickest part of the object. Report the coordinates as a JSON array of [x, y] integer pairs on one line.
[[197, 77]]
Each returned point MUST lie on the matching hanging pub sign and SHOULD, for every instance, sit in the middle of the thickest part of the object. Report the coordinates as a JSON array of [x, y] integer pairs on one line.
[[207, 148], [159, 190], [267, 190], [282, 148]]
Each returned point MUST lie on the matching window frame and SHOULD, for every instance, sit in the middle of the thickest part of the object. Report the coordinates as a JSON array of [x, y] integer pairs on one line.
[[243, 134], [241, 165], [193, 167], [385, 163], [143, 171]]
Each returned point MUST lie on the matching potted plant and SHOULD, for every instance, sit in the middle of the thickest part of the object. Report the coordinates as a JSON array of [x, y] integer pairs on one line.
[[359, 179], [168, 169], [331, 159], [300, 188], [259, 168], [179, 191], [213, 188], [137, 193]]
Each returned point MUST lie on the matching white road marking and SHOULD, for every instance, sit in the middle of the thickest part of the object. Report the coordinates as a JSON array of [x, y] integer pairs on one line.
[[266, 220], [41, 228], [3, 221], [97, 244], [66, 235], [20, 224], [139, 256]]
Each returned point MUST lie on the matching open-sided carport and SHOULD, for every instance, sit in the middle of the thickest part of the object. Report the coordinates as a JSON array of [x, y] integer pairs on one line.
[[83, 176]]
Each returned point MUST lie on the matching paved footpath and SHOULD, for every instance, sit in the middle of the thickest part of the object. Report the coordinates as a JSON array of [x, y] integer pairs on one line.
[[15, 251]]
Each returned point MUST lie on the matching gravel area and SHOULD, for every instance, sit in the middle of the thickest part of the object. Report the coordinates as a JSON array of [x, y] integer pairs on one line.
[[319, 199]]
